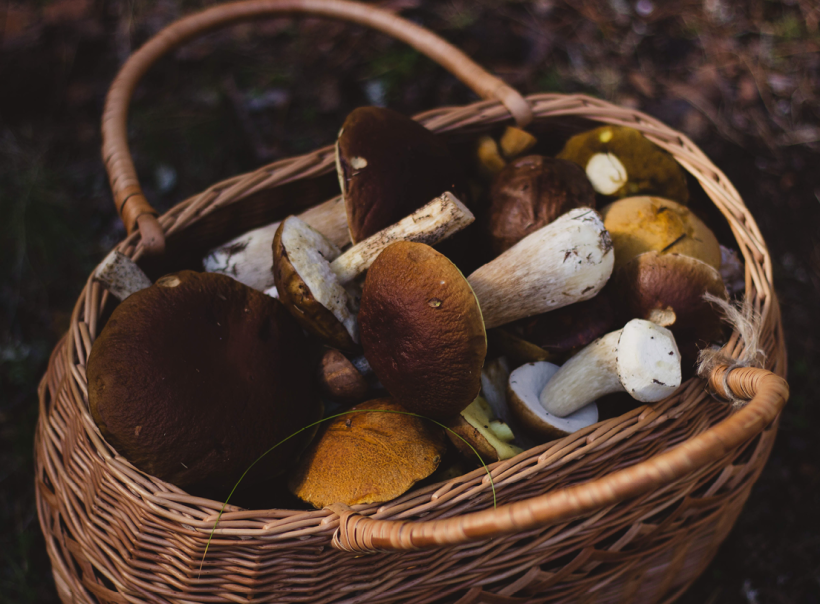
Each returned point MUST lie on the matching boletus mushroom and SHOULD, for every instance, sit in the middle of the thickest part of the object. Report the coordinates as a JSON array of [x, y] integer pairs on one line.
[[668, 290], [641, 359], [523, 391], [530, 193], [310, 272], [621, 162], [477, 430], [388, 166], [371, 455], [194, 377], [422, 323], [644, 224]]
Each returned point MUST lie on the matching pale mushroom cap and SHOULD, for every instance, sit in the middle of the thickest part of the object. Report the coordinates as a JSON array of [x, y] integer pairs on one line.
[[648, 361], [525, 386]]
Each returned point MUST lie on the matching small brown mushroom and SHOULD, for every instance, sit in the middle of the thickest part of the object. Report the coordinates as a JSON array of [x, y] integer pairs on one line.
[[339, 380], [531, 192], [668, 290], [372, 455], [621, 162]]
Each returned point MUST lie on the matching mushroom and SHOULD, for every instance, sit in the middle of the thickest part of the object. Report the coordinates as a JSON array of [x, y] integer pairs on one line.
[[478, 427], [621, 162], [568, 329], [196, 376], [339, 379], [371, 455], [562, 263], [421, 330], [531, 192], [643, 224], [641, 359], [120, 275], [247, 258], [490, 161], [310, 272], [668, 290], [389, 165], [515, 142], [525, 386]]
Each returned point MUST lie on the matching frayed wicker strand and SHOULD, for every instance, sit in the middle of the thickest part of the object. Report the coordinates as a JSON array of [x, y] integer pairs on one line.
[[747, 323]]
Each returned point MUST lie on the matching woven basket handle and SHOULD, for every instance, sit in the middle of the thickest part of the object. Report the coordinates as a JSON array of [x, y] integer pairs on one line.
[[768, 392], [131, 204]]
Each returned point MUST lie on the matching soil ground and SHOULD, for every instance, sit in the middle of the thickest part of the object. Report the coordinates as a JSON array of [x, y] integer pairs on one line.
[[741, 79]]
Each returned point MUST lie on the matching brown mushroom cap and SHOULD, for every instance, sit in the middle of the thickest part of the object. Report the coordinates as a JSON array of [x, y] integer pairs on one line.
[[196, 376], [368, 457], [338, 378], [422, 331], [668, 289], [643, 224], [308, 287], [388, 166], [531, 192], [572, 327], [647, 168]]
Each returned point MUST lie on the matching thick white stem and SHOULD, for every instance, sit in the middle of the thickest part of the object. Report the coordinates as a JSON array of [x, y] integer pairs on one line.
[[430, 224], [248, 258], [641, 359], [566, 261], [120, 275], [585, 377]]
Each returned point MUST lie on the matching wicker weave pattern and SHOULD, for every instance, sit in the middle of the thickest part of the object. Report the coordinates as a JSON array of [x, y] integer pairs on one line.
[[116, 535]]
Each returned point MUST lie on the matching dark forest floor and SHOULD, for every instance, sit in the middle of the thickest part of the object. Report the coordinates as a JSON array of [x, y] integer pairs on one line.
[[741, 79]]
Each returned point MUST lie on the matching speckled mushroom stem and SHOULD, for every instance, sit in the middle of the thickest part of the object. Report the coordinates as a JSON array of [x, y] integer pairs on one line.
[[430, 224], [641, 359], [248, 258], [566, 261], [120, 275]]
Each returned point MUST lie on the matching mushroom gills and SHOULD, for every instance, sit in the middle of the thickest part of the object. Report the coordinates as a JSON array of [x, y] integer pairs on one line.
[[312, 253]]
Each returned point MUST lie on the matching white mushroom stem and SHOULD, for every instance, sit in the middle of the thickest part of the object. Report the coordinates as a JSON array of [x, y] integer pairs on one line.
[[566, 261], [120, 275], [430, 224], [248, 259], [641, 359]]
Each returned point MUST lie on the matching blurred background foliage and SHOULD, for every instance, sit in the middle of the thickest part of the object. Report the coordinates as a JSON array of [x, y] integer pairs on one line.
[[742, 79]]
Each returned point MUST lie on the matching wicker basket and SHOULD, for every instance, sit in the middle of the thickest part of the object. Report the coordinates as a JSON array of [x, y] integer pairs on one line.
[[629, 510]]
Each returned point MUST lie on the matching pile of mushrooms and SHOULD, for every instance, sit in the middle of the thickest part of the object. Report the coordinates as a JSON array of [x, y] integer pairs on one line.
[[357, 309]]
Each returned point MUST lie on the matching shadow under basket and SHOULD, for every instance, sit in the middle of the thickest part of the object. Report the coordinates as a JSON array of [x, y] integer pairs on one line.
[[631, 509]]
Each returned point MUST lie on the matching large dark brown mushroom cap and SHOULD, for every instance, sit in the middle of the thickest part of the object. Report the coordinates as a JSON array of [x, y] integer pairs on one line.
[[390, 165], [370, 456], [195, 377], [422, 331], [532, 192]]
